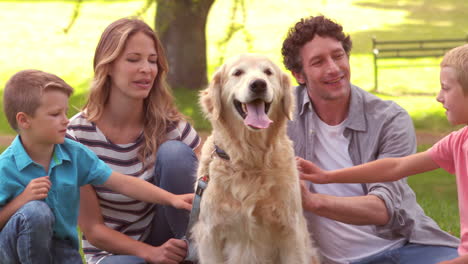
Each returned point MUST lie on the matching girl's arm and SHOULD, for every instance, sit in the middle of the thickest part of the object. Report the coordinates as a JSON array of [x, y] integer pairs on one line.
[[382, 170]]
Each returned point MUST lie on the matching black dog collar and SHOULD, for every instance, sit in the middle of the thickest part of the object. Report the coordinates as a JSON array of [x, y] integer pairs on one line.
[[221, 153]]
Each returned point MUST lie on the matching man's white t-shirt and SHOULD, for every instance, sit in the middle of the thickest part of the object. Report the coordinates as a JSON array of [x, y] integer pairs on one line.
[[340, 242]]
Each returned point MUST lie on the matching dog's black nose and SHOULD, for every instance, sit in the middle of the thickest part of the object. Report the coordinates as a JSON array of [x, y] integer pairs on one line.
[[258, 86]]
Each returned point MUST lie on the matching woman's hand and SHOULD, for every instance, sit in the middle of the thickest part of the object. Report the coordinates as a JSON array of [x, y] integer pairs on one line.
[[172, 251]]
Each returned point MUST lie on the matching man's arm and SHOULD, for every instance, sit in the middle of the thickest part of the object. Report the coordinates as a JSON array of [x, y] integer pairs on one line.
[[358, 210], [101, 236], [397, 139]]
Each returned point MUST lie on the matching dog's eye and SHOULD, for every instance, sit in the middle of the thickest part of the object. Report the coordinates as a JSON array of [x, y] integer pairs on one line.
[[238, 73], [268, 72]]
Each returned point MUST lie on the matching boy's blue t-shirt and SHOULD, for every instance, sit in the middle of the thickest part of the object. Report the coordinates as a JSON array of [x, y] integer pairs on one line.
[[72, 166]]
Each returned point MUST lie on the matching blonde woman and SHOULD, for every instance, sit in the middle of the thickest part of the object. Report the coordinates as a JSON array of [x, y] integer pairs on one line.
[[131, 122]]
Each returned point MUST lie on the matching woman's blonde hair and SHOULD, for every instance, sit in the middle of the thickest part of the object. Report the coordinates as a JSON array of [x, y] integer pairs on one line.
[[159, 108]]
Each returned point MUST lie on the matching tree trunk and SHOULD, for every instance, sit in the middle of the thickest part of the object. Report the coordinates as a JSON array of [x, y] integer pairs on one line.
[[181, 27]]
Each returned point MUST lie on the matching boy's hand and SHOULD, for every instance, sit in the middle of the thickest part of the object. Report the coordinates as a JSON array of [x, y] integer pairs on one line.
[[183, 201], [311, 172], [37, 189]]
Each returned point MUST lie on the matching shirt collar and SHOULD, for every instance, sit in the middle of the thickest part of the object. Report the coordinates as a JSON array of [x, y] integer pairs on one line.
[[356, 119], [60, 153], [304, 102], [356, 116], [22, 158]]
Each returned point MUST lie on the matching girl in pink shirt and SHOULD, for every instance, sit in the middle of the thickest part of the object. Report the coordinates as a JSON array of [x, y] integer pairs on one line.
[[450, 153]]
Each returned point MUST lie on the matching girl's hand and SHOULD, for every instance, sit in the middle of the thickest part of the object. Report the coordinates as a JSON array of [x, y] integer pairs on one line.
[[310, 172]]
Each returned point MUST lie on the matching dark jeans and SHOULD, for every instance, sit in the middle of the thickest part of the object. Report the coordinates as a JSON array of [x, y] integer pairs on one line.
[[412, 254], [175, 171], [27, 238]]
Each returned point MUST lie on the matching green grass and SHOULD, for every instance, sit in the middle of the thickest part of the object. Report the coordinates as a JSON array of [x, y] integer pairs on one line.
[[426, 113], [436, 192], [187, 102], [32, 37]]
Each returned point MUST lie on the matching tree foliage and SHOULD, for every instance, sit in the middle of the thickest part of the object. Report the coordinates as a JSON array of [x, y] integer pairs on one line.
[[181, 26]]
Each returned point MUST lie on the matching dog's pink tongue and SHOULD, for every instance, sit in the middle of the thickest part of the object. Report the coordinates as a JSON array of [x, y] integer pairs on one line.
[[256, 116]]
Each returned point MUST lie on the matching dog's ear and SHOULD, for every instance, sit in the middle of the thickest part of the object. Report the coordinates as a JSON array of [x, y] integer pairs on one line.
[[210, 98], [287, 100]]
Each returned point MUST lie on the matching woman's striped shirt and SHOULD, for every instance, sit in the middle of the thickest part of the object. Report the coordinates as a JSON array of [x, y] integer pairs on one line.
[[120, 212]]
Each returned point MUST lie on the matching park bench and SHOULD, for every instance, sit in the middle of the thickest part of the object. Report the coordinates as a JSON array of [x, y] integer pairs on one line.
[[408, 49]]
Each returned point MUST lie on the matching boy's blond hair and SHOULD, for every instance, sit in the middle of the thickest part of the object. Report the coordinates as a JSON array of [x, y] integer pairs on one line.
[[24, 90], [457, 58]]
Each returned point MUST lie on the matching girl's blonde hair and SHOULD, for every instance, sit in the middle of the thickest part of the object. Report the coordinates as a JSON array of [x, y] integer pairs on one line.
[[159, 108]]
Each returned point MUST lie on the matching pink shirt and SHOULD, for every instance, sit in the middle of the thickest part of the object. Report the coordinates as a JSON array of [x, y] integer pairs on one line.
[[451, 154]]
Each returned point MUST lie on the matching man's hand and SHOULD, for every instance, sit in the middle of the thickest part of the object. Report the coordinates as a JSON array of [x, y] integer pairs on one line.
[[310, 172], [171, 252], [37, 189], [183, 201], [304, 195]]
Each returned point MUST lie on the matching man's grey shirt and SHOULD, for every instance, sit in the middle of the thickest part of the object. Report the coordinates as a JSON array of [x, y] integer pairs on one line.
[[375, 129]]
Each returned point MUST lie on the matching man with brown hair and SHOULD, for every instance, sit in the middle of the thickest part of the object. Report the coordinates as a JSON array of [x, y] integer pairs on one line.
[[338, 125]]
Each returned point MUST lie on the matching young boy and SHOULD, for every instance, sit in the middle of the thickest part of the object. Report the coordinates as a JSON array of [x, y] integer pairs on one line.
[[41, 173], [450, 153]]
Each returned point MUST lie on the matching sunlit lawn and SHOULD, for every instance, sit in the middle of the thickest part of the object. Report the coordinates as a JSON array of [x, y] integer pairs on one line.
[[36, 40], [32, 37], [436, 192]]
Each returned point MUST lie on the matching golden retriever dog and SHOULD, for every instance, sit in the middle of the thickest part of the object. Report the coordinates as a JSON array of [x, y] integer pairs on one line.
[[251, 210]]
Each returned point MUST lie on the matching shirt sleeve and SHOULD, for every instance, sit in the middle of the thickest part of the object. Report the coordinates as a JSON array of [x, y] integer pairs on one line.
[[94, 171], [5, 193], [407, 218], [9, 187], [442, 153], [188, 134], [398, 139]]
